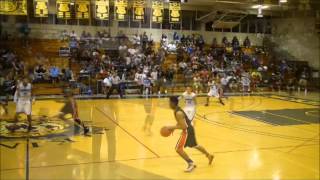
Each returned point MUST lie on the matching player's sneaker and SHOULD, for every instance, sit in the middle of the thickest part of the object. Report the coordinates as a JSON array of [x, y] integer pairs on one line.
[[190, 167], [210, 157], [206, 104], [86, 130]]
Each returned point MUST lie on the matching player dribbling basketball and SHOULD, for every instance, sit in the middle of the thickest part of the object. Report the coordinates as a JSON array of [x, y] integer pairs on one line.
[[187, 138]]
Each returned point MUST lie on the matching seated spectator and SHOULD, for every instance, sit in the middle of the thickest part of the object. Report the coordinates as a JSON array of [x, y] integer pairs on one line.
[[67, 74], [40, 73], [235, 43], [136, 40], [73, 35], [164, 41], [214, 43], [144, 40], [64, 35], [123, 50], [200, 42], [176, 38], [54, 73], [83, 36], [225, 41], [73, 43], [246, 42]]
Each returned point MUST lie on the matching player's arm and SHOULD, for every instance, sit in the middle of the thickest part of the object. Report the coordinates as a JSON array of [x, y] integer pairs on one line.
[[181, 122]]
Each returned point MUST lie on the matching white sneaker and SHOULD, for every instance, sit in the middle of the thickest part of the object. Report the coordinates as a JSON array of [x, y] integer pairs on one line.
[[190, 167]]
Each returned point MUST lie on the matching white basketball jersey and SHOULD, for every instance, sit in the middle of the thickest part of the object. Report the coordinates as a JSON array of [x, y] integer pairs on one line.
[[213, 87], [189, 99], [24, 92]]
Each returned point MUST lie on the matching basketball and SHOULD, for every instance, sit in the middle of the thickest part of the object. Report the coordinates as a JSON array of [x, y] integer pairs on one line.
[[165, 132]]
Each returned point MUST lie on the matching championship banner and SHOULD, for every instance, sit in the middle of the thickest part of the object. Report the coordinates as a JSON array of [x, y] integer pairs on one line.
[[40, 8], [102, 9], [63, 9], [157, 11], [82, 9], [121, 9], [138, 10], [13, 7], [174, 10]]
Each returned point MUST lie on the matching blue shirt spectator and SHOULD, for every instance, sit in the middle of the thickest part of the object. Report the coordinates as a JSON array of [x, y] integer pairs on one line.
[[54, 72]]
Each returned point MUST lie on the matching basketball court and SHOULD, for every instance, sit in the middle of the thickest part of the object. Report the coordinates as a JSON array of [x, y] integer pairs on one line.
[[252, 137]]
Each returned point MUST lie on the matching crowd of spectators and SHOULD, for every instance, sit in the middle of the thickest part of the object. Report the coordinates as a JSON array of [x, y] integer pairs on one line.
[[237, 67], [118, 63]]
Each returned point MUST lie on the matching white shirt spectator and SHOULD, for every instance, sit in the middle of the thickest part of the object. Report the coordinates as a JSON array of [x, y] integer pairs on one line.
[[73, 35], [138, 77], [107, 82], [136, 40], [154, 76], [115, 79]]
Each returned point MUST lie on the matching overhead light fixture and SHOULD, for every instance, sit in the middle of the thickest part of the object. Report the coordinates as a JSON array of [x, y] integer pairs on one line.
[[259, 6], [283, 1]]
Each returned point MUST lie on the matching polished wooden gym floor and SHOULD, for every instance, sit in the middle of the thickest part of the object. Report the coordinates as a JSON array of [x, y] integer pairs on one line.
[[252, 137]]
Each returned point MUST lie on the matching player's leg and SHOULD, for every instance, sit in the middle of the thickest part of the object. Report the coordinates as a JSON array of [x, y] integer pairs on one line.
[[182, 153], [19, 110], [205, 152], [207, 103], [220, 100], [110, 91]]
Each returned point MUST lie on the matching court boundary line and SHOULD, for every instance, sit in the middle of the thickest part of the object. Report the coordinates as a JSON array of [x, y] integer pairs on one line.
[[131, 135], [169, 156]]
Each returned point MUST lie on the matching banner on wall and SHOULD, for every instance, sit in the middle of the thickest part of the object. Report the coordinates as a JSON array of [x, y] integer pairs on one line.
[[120, 9], [102, 9], [13, 7], [157, 11], [174, 10], [138, 10], [40, 8], [63, 9], [82, 9]]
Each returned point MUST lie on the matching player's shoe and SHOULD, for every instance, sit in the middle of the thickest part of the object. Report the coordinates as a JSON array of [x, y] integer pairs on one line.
[[86, 130], [206, 104], [210, 157], [190, 167]]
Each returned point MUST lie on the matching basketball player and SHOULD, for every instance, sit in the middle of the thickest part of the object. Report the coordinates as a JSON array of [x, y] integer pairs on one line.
[[303, 81], [150, 108], [215, 91], [24, 99], [245, 81], [190, 102], [187, 138], [71, 107]]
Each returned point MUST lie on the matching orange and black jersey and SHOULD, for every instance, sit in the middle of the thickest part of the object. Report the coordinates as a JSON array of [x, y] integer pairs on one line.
[[188, 138]]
